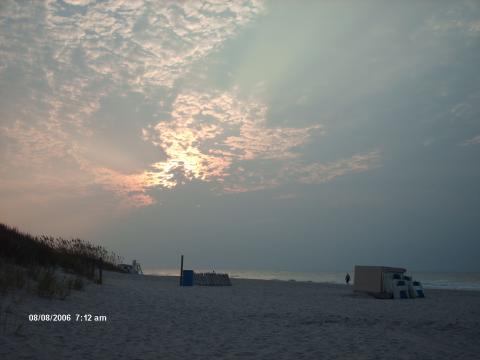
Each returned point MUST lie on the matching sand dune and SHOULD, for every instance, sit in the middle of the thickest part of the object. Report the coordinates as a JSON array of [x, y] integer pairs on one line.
[[150, 317]]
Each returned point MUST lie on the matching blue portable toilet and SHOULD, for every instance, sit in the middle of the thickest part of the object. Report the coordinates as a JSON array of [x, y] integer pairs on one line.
[[187, 278]]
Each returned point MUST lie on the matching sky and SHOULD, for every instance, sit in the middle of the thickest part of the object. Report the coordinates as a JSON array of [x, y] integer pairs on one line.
[[250, 134]]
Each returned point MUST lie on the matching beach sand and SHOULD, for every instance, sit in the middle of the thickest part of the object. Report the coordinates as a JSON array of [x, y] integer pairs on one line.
[[150, 317]]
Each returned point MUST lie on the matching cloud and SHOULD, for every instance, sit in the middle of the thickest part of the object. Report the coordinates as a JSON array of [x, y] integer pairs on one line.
[[33, 146], [319, 173], [298, 171], [143, 43], [208, 135], [471, 28], [78, 2], [473, 141], [455, 18], [223, 140], [69, 60]]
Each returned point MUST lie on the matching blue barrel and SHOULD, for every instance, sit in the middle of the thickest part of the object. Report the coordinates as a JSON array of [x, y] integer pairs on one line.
[[187, 278]]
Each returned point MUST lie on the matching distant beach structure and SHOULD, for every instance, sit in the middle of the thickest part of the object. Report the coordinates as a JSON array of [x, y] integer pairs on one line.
[[190, 277], [386, 283], [134, 268], [211, 279]]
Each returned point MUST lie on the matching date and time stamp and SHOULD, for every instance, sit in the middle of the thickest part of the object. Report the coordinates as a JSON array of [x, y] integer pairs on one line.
[[78, 318]]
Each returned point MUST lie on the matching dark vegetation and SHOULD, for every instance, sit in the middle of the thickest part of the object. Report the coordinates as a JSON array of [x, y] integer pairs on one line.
[[27, 259]]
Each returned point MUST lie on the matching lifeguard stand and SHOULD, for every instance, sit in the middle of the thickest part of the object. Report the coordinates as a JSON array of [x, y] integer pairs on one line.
[[136, 268]]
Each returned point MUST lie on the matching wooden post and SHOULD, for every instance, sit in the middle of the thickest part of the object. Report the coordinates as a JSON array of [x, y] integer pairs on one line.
[[100, 270], [181, 271]]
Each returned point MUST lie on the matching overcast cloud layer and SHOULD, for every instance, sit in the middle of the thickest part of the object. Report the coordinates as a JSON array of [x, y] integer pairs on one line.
[[248, 134]]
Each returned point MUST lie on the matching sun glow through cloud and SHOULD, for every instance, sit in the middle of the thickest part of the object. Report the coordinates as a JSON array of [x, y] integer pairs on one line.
[[212, 138]]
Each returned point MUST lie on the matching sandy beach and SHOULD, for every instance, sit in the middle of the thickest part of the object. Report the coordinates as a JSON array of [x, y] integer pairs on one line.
[[150, 317]]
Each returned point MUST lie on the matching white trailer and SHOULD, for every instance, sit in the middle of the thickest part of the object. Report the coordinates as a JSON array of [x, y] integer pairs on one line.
[[376, 280]]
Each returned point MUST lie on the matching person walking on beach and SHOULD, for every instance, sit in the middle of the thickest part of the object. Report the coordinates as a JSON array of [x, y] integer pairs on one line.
[[347, 278]]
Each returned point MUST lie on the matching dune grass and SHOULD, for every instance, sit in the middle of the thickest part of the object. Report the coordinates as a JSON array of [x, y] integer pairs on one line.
[[25, 258]]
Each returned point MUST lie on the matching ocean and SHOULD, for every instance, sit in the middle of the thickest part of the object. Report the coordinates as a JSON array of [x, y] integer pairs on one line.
[[432, 280]]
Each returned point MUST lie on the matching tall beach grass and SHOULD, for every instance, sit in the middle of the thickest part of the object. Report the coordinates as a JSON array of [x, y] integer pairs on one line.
[[25, 258]]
